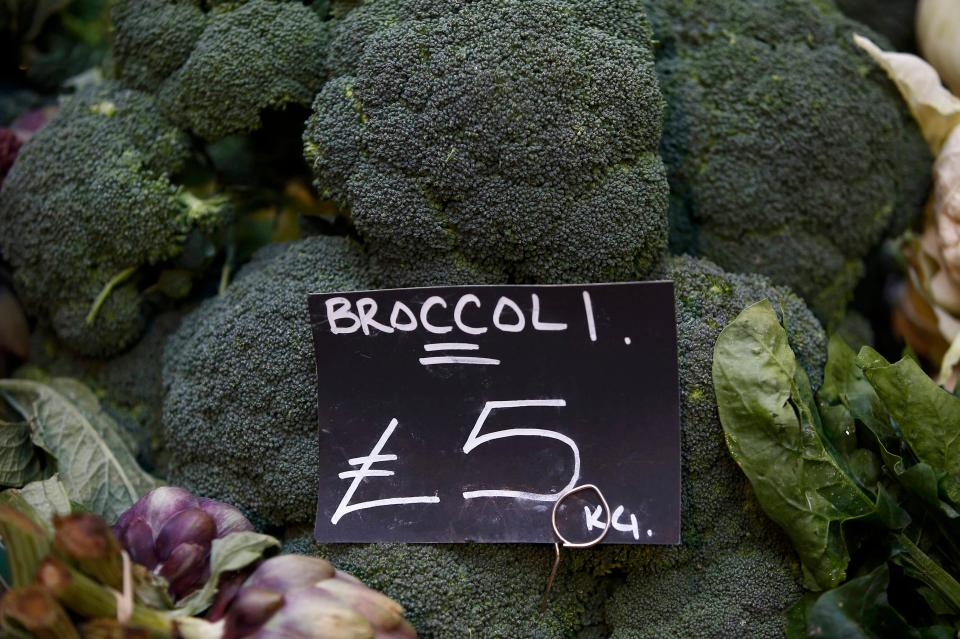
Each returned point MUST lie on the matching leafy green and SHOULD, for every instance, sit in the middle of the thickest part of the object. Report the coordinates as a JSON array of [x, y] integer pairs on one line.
[[927, 416], [19, 463], [774, 433], [47, 497], [858, 609], [94, 462], [865, 481], [844, 383]]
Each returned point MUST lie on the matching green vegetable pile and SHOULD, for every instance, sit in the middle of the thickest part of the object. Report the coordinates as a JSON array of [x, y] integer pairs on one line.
[[165, 214], [863, 476]]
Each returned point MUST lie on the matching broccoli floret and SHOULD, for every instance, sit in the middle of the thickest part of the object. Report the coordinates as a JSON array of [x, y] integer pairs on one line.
[[216, 72], [789, 152], [240, 389], [240, 385], [495, 141], [89, 201]]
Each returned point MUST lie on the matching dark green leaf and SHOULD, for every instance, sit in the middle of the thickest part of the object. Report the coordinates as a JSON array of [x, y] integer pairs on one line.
[[927, 416], [844, 385], [859, 609], [938, 632], [795, 625], [773, 432], [19, 462]]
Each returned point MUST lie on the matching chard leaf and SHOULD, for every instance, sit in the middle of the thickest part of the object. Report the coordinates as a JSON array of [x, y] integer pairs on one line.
[[95, 465], [774, 433], [858, 609], [928, 416], [233, 552], [19, 463]]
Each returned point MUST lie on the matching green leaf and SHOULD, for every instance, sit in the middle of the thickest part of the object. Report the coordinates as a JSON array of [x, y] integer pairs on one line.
[[859, 609], [95, 465], [795, 617], [774, 433], [233, 552], [19, 462], [927, 416], [48, 497], [844, 384]]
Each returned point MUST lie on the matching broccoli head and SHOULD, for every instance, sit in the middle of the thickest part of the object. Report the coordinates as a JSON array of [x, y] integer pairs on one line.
[[89, 201], [240, 386], [215, 72], [789, 152], [495, 141], [240, 389], [734, 573]]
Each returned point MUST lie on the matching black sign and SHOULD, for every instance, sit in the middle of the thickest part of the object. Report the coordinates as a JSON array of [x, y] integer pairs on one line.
[[460, 414]]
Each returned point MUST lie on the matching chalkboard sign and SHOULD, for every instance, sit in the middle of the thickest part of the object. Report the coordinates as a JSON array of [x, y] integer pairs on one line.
[[459, 414]]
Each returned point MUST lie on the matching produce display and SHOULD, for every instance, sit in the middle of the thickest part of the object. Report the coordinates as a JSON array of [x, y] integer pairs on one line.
[[178, 176]]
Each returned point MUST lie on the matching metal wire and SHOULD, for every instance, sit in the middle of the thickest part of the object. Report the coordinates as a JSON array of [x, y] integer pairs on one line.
[[566, 542]]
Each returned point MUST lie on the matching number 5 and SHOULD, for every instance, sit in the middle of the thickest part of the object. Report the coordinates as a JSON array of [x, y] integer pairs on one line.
[[475, 439]]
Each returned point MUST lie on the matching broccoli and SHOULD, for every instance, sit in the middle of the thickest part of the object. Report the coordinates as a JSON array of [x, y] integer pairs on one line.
[[240, 386], [215, 72], [495, 141], [789, 152], [87, 203], [735, 572], [240, 389]]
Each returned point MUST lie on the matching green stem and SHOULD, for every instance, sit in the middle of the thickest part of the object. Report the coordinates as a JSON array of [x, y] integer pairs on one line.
[[91, 600], [102, 296], [26, 542], [931, 573]]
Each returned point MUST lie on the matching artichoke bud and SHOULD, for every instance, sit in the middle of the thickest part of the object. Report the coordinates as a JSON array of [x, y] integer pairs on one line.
[[381, 611], [171, 532], [251, 609], [192, 526], [286, 572], [318, 602], [309, 613], [185, 569], [137, 538]]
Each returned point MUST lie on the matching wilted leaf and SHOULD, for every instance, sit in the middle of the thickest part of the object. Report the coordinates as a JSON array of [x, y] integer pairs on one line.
[[774, 433], [936, 110], [233, 552], [95, 465]]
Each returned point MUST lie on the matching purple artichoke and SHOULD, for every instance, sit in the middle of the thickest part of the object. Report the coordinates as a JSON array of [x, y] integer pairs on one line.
[[171, 531], [298, 597]]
